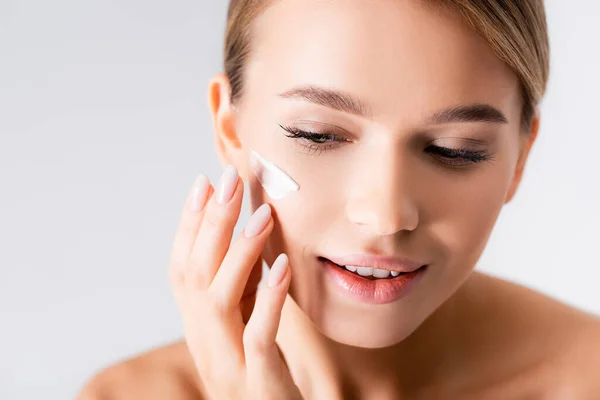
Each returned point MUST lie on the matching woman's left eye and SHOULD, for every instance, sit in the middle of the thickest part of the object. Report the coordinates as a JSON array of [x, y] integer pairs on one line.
[[313, 141], [459, 157]]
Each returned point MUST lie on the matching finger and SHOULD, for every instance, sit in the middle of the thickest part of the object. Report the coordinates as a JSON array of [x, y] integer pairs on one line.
[[232, 277], [214, 235], [189, 223], [260, 333], [249, 296]]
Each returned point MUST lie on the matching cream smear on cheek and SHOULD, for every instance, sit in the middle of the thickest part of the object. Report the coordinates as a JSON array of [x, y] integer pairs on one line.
[[274, 181]]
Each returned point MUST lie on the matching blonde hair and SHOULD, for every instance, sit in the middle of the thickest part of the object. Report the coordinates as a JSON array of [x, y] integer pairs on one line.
[[516, 30]]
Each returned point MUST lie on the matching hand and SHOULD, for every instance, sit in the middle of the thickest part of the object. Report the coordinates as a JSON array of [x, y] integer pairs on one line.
[[231, 339]]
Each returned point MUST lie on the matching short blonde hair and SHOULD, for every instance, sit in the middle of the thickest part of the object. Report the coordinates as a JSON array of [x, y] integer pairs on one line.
[[516, 30]]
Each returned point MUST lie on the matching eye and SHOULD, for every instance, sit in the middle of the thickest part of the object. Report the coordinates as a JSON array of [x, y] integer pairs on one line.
[[452, 157], [314, 142], [458, 157]]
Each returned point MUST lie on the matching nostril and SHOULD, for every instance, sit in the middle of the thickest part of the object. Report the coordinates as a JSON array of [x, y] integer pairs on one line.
[[383, 216]]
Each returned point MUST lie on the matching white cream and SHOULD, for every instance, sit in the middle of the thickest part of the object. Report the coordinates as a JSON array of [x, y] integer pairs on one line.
[[274, 181]]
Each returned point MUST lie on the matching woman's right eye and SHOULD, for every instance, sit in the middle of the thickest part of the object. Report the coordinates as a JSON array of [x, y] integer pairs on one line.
[[313, 141]]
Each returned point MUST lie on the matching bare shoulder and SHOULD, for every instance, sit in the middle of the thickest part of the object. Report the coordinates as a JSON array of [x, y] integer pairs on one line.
[[573, 371], [580, 362], [163, 373], [566, 339]]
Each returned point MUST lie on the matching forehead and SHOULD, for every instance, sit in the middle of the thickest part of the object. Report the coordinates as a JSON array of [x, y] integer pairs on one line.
[[394, 54]]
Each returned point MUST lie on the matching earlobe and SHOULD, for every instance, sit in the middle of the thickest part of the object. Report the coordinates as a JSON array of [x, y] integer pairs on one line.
[[227, 142]]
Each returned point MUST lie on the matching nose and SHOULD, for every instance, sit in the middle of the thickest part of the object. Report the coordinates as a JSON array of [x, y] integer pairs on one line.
[[380, 197]]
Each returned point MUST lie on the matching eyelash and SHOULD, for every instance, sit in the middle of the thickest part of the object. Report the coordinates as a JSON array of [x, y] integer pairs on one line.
[[321, 142], [312, 140]]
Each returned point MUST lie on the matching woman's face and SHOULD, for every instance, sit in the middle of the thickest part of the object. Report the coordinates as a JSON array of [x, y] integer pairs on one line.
[[379, 77]]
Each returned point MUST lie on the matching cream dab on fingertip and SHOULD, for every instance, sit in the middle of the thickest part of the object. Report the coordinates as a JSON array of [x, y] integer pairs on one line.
[[276, 183]]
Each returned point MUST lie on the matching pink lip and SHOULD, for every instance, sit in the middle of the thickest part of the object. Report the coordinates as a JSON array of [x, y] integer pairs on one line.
[[369, 260], [364, 290]]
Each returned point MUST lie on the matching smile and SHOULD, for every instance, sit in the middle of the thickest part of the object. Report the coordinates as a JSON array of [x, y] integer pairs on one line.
[[363, 286]]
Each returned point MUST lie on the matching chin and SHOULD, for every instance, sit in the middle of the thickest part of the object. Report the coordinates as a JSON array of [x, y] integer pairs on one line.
[[373, 337], [359, 325]]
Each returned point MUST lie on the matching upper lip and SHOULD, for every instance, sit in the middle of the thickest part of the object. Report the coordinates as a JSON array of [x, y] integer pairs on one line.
[[389, 263]]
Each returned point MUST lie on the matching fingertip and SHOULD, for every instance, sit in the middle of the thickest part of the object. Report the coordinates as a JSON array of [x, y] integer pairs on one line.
[[278, 271], [200, 193], [236, 196]]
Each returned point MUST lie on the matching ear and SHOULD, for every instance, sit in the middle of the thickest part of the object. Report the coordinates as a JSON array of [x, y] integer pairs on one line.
[[228, 145], [524, 147]]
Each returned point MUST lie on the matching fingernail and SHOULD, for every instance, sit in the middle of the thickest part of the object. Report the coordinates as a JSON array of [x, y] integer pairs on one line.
[[258, 221], [278, 270], [200, 190], [227, 184]]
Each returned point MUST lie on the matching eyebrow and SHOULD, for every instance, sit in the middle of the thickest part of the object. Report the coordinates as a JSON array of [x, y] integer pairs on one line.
[[345, 102], [334, 99], [469, 113]]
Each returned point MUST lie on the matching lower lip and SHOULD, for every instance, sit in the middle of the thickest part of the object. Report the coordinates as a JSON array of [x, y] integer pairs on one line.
[[380, 291]]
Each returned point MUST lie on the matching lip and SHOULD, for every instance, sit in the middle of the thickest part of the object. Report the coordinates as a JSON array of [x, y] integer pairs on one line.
[[380, 262], [364, 290]]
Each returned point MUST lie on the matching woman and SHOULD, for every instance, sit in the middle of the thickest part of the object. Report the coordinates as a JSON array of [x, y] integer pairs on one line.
[[379, 141]]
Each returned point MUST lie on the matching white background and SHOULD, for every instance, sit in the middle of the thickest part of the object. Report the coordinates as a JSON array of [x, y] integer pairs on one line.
[[103, 127]]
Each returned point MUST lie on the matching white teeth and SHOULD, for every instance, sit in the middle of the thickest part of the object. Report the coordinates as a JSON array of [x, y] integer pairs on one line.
[[380, 273], [368, 271]]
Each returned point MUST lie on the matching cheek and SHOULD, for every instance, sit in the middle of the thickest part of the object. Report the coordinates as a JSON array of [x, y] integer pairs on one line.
[[462, 219], [299, 214], [299, 217]]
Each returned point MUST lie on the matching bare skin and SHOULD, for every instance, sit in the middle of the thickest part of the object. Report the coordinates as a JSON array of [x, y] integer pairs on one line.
[[533, 348], [460, 334]]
